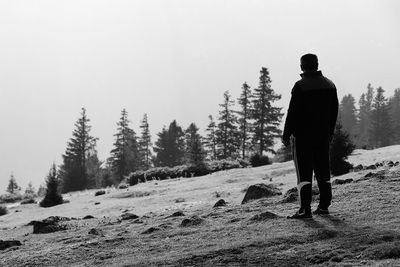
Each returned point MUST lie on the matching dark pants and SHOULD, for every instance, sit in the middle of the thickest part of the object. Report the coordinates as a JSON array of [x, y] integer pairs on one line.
[[312, 156]]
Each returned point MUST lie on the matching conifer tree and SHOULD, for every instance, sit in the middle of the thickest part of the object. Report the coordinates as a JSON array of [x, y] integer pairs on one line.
[[194, 148], [125, 154], [364, 118], [30, 191], [394, 107], [52, 197], [73, 171], [348, 114], [41, 191], [13, 187], [227, 133], [170, 146], [244, 118], [145, 144], [381, 125], [266, 117], [94, 170], [162, 156], [341, 147], [211, 139]]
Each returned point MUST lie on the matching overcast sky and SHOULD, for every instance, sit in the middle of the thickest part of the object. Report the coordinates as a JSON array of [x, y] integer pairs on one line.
[[171, 60]]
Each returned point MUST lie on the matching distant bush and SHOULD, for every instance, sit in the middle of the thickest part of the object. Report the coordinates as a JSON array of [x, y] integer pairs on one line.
[[3, 210], [10, 198], [162, 173], [257, 160], [28, 201], [123, 186]]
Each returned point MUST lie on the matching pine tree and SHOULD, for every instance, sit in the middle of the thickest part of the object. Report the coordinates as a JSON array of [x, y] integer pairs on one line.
[[244, 117], [394, 107], [227, 133], [381, 130], [30, 191], [162, 156], [145, 144], [364, 118], [170, 146], [41, 191], [94, 170], [348, 114], [194, 148], [73, 171], [267, 117], [211, 139], [125, 155], [341, 147], [13, 187], [52, 196]]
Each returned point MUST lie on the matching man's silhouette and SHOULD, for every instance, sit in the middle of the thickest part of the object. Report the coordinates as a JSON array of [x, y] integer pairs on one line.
[[309, 127]]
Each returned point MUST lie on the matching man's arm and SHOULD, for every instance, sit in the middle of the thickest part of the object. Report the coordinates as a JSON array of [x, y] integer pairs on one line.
[[290, 117], [334, 112]]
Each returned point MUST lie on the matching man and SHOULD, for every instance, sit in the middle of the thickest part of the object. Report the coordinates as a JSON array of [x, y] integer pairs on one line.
[[309, 127]]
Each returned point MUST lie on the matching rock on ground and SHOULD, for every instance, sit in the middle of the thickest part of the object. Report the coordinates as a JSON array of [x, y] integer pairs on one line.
[[129, 216], [264, 216], [258, 191], [194, 220], [342, 181], [4, 244], [49, 225], [220, 203]]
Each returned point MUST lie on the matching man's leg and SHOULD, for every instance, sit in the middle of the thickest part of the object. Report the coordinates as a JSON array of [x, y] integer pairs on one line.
[[302, 158], [323, 175]]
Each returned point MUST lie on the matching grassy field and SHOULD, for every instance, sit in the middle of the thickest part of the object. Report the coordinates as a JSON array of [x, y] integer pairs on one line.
[[363, 228]]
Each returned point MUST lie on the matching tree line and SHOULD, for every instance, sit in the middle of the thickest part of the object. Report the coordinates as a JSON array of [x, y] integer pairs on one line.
[[251, 129], [376, 121]]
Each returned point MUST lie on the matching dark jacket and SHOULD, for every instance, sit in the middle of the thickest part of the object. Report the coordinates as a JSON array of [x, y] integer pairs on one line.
[[313, 108]]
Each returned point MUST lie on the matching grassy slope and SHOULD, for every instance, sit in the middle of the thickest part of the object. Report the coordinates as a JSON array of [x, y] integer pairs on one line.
[[364, 224]]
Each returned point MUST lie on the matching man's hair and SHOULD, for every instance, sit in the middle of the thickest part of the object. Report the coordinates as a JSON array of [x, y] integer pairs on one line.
[[309, 62]]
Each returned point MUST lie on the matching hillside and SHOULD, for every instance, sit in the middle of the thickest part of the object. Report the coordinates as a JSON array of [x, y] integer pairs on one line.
[[363, 228]]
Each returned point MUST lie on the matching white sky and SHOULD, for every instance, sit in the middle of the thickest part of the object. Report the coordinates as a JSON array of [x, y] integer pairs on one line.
[[170, 59]]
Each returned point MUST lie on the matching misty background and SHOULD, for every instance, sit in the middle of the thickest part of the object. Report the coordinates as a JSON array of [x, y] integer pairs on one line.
[[171, 60]]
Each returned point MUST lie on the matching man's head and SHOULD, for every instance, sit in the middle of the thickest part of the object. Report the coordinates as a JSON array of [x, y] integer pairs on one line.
[[309, 62]]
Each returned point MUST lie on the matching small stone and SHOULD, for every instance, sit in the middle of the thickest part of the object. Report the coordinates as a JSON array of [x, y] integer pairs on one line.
[[129, 216], [151, 230], [180, 200], [194, 220], [220, 203], [87, 217], [177, 214], [97, 203], [94, 231], [342, 181], [264, 216]]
